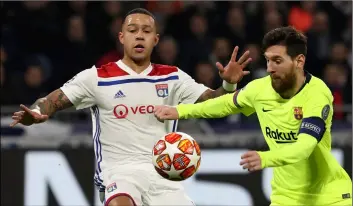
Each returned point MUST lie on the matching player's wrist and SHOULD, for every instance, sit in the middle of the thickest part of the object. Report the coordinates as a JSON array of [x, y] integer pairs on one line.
[[180, 110], [263, 158], [228, 86]]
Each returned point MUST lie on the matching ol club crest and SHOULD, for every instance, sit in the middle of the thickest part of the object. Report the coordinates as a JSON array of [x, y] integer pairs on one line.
[[298, 113], [162, 90]]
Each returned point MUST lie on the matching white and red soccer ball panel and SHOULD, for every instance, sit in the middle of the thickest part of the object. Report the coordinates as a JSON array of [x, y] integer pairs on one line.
[[176, 156]]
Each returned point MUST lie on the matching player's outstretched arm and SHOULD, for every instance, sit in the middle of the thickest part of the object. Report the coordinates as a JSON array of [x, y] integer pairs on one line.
[[301, 150], [42, 109], [213, 108]]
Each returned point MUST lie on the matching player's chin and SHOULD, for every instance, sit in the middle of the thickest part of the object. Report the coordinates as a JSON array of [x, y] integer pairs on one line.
[[139, 57], [277, 86]]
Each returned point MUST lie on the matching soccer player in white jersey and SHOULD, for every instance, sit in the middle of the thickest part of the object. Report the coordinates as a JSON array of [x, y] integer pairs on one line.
[[121, 96]]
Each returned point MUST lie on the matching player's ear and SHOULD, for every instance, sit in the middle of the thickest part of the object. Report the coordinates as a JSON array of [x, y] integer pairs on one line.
[[121, 37], [156, 40], [300, 60]]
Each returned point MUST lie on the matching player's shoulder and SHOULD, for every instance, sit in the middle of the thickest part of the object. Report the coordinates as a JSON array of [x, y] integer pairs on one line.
[[162, 69], [110, 69], [89, 73], [318, 88]]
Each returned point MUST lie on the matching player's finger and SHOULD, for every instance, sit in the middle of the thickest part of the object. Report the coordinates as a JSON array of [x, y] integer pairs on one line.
[[19, 113], [247, 161], [251, 158], [243, 162], [244, 57], [26, 109], [14, 123], [15, 117], [245, 64], [158, 108], [160, 118], [246, 166], [246, 154], [220, 67], [234, 54]]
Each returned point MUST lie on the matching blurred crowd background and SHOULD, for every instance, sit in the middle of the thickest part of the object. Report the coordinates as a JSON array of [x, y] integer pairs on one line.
[[45, 43]]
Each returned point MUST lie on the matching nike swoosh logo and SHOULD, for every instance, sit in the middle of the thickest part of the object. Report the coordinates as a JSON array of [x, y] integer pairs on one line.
[[266, 110]]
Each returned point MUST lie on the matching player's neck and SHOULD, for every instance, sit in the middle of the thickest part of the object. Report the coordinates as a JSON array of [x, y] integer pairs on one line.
[[138, 67], [297, 86]]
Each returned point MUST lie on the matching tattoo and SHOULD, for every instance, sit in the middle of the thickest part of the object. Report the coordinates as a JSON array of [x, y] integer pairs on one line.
[[52, 103], [210, 94]]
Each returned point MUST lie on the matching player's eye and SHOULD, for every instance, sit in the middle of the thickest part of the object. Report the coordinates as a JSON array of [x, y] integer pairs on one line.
[[147, 31], [132, 30]]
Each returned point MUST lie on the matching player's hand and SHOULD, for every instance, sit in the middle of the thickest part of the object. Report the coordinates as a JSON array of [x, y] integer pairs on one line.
[[251, 160], [234, 71], [27, 117], [165, 113]]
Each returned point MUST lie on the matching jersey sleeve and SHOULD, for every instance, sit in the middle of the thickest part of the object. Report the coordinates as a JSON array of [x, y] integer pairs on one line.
[[80, 89], [317, 115], [244, 98], [187, 89], [290, 154]]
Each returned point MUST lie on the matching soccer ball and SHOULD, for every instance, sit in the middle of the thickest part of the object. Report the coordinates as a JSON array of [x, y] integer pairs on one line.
[[176, 156]]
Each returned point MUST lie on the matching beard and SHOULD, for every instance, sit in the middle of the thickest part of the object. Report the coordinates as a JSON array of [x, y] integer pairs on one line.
[[283, 84]]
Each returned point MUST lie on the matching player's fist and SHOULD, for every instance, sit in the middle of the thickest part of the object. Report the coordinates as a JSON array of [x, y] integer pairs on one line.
[[27, 117], [165, 113], [234, 71], [251, 160]]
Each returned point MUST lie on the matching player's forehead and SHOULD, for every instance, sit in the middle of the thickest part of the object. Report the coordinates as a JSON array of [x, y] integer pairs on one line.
[[137, 20], [276, 51]]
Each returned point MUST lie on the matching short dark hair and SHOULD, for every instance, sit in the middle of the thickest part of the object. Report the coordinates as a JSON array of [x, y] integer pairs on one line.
[[292, 39], [139, 11]]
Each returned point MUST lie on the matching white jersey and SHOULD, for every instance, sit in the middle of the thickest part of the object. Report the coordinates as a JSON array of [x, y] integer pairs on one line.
[[122, 103]]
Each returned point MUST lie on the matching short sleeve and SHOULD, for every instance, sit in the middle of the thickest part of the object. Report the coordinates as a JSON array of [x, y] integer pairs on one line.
[[244, 98], [80, 89], [187, 89]]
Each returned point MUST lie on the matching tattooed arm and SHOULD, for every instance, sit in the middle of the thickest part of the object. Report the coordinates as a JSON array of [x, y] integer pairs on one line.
[[52, 103], [210, 94], [42, 109], [78, 91]]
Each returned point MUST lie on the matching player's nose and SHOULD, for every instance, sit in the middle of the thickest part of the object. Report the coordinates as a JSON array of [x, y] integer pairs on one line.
[[140, 36], [270, 69]]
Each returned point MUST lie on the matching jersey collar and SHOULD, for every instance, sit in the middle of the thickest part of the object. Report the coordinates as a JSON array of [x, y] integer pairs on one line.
[[307, 80], [126, 68]]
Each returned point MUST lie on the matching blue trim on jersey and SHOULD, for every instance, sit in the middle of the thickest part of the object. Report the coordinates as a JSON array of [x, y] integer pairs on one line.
[[314, 126], [139, 80], [174, 125], [96, 139], [96, 177], [99, 185]]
